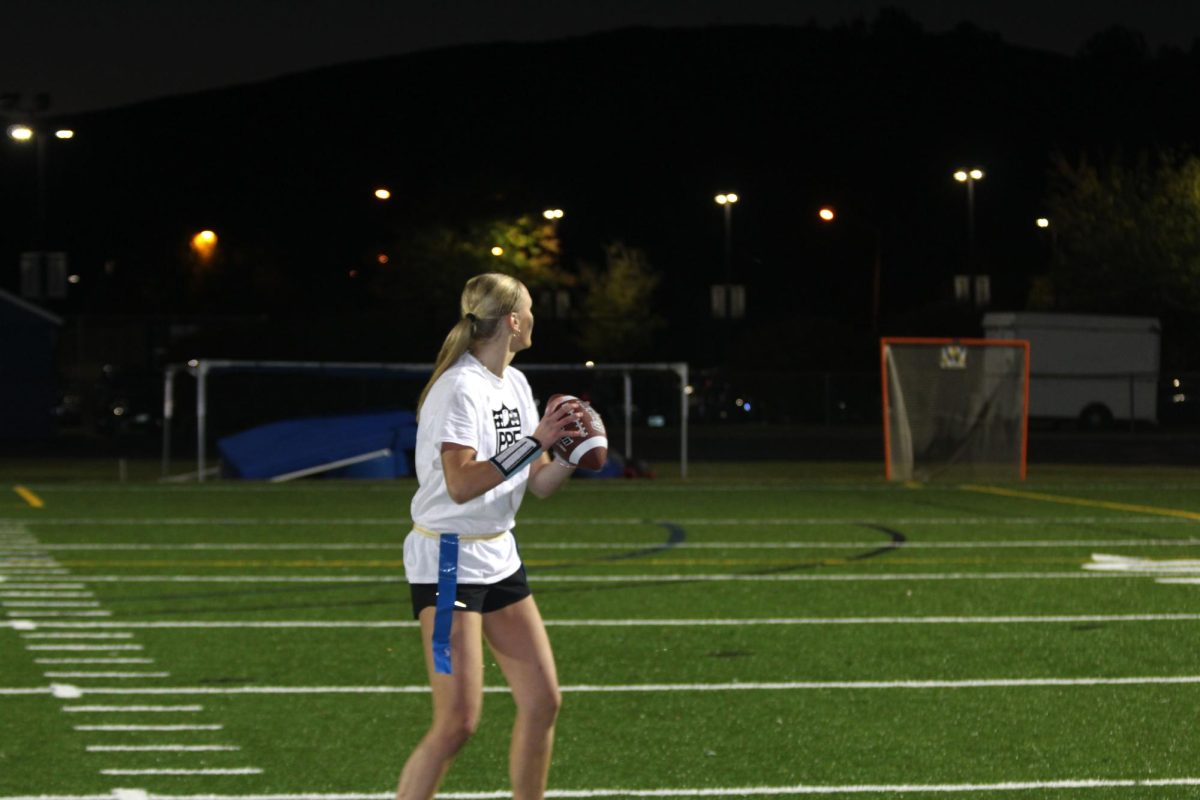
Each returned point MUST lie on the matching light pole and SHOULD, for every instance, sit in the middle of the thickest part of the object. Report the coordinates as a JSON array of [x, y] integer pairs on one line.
[[969, 177], [26, 134], [726, 201]]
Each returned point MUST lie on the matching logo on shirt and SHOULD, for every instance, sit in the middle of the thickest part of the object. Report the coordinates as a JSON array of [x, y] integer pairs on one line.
[[508, 426]]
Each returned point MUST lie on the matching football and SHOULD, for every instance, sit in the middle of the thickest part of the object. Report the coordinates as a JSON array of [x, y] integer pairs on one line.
[[587, 445]]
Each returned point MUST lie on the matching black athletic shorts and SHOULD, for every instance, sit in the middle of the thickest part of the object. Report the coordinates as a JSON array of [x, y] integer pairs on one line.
[[479, 597]]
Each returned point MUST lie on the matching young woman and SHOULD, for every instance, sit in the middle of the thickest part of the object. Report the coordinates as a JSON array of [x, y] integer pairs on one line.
[[480, 445]]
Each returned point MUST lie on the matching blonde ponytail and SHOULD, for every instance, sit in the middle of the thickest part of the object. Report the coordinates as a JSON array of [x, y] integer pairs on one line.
[[486, 299]]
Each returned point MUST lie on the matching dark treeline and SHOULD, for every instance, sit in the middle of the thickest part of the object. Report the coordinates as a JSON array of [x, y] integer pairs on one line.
[[631, 133]]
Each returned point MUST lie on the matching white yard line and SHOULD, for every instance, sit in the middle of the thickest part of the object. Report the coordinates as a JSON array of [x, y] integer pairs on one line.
[[649, 688], [738, 791], [389, 577], [689, 545], [998, 619], [402, 524]]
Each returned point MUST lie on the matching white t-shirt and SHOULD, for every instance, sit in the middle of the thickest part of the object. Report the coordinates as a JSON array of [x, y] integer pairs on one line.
[[471, 406]]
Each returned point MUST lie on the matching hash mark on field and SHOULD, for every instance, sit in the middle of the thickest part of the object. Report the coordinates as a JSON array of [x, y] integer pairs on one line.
[[197, 772], [64, 661], [133, 709], [82, 648], [161, 748], [149, 728], [107, 674]]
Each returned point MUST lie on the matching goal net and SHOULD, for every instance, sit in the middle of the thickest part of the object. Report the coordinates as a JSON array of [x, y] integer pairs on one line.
[[954, 408], [231, 397]]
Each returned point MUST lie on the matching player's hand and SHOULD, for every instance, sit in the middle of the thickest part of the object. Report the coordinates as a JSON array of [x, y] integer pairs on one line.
[[557, 421]]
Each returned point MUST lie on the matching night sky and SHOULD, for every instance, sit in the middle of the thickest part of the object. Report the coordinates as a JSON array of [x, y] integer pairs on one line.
[[92, 54]]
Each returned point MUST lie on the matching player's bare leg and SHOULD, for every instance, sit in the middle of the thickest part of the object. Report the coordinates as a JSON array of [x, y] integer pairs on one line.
[[457, 705], [522, 649]]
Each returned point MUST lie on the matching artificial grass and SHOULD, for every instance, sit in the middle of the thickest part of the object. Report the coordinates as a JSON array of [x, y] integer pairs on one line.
[[327, 743]]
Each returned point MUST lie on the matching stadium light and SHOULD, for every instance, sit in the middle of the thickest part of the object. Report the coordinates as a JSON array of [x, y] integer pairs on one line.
[[726, 200], [969, 177]]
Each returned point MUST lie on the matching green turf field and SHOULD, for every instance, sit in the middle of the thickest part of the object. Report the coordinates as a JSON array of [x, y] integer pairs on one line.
[[759, 631]]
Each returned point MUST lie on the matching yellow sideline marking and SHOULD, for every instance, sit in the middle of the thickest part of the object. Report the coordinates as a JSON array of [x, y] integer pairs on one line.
[[29, 497], [1079, 501]]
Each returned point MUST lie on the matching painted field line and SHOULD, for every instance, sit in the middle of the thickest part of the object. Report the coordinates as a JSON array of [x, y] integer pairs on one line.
[[184, 772], [1111, 563], [40, 585], [632, 578], [649, 688], [402, 524], [50, 603], [78, 635], [739, 791], [146, 728], [29, 497], [161, 748], [82, 648], [1001, 619], [4, 596], [1085, 502], [28, 573], [24, 613], [132, 709], [121, 675], [79, 661], [976, 544]]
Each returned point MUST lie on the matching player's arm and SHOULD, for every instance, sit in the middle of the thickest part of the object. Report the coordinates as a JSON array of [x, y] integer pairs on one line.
[[547, 474], [467, 478]]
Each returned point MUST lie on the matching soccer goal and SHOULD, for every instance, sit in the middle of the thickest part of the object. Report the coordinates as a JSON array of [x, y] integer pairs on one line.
[[231, 396], [954, 408]]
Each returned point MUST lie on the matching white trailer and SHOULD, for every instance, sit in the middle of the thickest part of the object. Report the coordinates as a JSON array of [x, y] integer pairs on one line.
[[1090, 368]]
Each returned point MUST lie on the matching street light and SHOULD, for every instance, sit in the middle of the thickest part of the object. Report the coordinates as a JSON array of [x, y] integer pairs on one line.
[[969, 177], [383, 193], [726, 202], [553, 213], [204, 245], [25, 134]]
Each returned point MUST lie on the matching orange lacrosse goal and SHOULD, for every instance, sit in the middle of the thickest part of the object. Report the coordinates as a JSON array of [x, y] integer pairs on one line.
[[954, 408]]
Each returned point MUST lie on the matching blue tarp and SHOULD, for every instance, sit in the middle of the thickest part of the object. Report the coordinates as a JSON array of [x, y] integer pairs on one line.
[[288, 446]]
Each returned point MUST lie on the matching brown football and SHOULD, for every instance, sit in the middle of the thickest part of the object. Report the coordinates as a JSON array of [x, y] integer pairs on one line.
[[587, 445]]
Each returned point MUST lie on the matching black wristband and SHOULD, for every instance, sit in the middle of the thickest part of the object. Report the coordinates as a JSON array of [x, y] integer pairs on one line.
[[519, 454]]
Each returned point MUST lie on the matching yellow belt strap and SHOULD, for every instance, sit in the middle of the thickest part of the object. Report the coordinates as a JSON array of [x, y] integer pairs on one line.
[[479, 537]]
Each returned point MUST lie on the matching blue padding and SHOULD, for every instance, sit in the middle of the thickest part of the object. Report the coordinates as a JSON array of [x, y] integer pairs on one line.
[[283, 447], [443, 619]]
